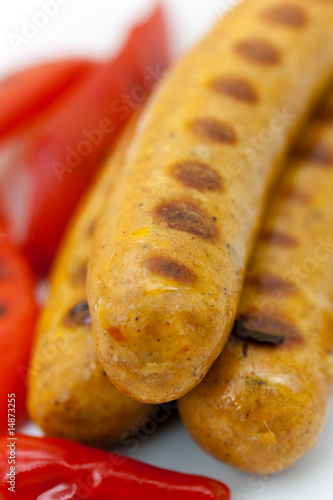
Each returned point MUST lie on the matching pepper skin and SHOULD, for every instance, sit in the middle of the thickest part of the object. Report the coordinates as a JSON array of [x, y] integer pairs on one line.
[[57, 469], [69, 143], [26, 94], [18, 311]]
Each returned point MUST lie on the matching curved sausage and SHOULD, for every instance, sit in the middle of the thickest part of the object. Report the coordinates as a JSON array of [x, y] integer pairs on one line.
[[263, 403], [173, 243], [69, 393]]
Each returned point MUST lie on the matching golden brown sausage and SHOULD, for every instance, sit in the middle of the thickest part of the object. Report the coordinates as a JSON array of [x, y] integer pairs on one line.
[[69, 393], [173, 243], [264, 401]]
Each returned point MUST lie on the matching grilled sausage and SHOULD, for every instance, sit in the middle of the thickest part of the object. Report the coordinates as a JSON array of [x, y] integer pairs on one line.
[[69, 393], [173, 243], [263, 403]]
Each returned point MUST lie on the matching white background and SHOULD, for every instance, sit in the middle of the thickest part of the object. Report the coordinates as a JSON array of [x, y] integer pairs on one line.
[[96, 28]]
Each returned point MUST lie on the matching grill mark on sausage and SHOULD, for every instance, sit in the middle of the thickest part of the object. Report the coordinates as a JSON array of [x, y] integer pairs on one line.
[[3, 310], [183, 215], [243, 331], [79, 315], [324, 113], [170, 268], [197, 175], [258, 51], [321, 155], [278, 238], [115, 333], [274, 331], [237, 88], [79, 276], [268, 283], [91, 228], [214, 130], [318, 154], [286, 15], [295, 194]]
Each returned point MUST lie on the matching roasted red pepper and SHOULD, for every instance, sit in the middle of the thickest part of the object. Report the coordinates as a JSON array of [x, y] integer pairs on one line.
[[69, 143], [24, 95], [57, 469], [18, 312]]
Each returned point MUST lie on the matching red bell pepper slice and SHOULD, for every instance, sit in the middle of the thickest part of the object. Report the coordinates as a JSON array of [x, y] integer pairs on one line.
[[24, 95], [57, 469], [71, 140], [18, 311]]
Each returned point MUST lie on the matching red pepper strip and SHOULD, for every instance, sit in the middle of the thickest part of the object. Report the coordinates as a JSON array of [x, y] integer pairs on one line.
[[71, 141], [18, 311], [26, 94], [151, 60], [57, 469]]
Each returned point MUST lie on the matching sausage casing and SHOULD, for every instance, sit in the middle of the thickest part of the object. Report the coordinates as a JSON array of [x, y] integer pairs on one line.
[[69, 393], [263, 405], [173, 243]]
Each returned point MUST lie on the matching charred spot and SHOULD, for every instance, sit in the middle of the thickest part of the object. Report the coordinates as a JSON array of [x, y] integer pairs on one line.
[[237, 88], [286, 15], [186, 216], [324, 113], [79, 315], [273, 331], [267, 283], [170, 268], [243, 331], [115, 333], [79, 276], [214, 130], [91, 228], [279, 239], [258, 51], [318, 154], [296, 195], [197, 175], [245, 349], [321, 155]]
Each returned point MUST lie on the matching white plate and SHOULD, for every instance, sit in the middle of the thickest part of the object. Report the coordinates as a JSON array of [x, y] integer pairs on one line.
[[94, 28], [172, 448]]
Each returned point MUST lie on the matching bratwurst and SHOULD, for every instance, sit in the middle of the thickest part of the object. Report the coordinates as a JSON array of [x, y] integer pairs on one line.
[[264, 401], [173, 242], [69, 393]]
